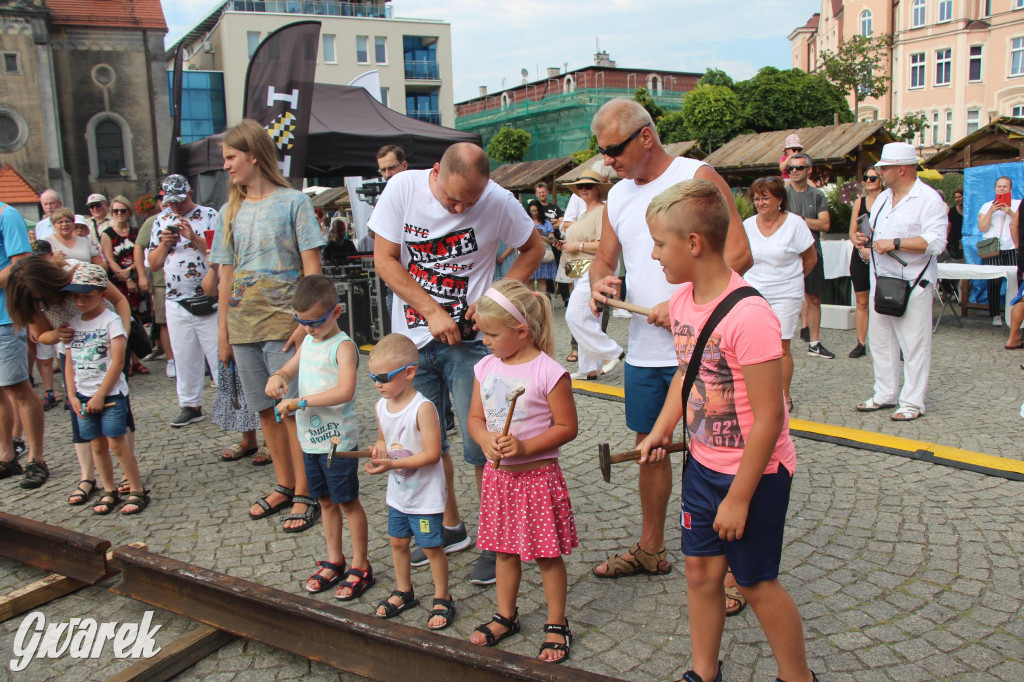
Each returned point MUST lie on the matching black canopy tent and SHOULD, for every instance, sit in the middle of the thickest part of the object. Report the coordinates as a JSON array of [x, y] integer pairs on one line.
[[347, 126]]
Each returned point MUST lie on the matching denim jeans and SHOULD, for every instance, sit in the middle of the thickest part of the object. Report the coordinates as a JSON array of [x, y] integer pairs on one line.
[[443, 368]]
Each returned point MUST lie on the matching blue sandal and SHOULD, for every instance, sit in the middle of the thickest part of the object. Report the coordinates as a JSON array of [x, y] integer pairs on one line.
[[323, 582]]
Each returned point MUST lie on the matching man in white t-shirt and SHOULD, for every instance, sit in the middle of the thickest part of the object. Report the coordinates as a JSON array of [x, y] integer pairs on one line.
[[627, 138], [437, 234], [1001, 220]]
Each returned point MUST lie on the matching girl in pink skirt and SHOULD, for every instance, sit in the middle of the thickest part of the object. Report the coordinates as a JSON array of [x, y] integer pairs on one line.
[[525, 512]]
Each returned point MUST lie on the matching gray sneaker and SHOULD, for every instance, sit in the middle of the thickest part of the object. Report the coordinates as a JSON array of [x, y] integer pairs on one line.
[[189, 415], [483, 571], [453, 541]]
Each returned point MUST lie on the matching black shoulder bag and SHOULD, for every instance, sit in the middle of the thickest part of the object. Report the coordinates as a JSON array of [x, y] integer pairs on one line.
[[719, 313], [892, 294]]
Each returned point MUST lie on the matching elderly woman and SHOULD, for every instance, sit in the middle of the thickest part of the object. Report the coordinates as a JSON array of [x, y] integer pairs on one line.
[[598, 353], [118, 244], [65, 239], [783, 251]]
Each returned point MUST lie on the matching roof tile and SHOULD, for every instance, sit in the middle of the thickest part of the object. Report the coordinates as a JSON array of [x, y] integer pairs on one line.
[[15, 189], [141, 14]]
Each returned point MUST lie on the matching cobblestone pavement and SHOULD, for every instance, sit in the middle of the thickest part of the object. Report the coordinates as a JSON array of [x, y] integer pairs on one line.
[[902, 570]]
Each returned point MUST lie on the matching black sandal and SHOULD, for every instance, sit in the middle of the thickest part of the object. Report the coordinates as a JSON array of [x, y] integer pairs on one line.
[[365, 581], [391, 609], [81, 495], [444, 608], [323, 582], [512, 625], [139, 499], [109, 501], [267, 509], [310, 516], [124, 487], [564, 631]]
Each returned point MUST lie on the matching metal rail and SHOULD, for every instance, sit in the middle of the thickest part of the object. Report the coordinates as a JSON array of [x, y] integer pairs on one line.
[[338, 637], [67, 552]]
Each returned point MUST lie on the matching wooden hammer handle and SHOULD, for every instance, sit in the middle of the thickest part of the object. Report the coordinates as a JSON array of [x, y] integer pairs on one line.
[[631, 307], [634, 455]]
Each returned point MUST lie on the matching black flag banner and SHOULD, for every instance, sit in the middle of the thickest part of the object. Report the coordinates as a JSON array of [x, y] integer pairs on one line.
[[279, 91], [172, 162]]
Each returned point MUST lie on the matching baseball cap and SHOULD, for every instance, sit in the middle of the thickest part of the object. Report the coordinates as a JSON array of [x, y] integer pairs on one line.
[[175, 188], [88, 277], [96, 199]]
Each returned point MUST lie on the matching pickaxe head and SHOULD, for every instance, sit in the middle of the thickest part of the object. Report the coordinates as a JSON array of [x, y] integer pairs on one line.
[[604, 459]]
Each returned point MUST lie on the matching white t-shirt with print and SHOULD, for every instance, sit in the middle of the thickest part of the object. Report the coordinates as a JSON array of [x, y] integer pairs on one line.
[[185, 265], [410, 491], [450, 256], [90, 352], [778, 270], [649, 346]]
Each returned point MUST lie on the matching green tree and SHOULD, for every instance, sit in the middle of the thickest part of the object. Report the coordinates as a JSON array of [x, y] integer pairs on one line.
[[716, 77], [782, 100], [712, 114], [508, 145], [858, 67], [585, 154], [908, 127], [644, 98], [672, 128]]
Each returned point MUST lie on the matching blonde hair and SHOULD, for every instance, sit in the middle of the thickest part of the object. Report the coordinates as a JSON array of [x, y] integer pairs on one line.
[[693, 206], [121, 199], [535, 308], [249, 137], [397, 348]]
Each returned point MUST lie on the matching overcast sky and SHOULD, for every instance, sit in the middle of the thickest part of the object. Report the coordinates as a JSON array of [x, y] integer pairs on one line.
[[495, 39]]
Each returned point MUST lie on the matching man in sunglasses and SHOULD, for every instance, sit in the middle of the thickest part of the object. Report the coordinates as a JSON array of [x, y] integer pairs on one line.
[[436, 245], [177, 247], [629, 142], [99, 215], [391, 161], [810, 204]]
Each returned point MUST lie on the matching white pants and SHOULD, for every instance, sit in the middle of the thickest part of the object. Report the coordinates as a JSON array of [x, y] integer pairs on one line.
[[194, 342], [912, 334], [595, 347]]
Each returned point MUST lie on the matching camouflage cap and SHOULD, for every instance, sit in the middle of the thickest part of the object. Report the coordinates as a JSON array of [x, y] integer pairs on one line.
[[175, 188], [87, 277]]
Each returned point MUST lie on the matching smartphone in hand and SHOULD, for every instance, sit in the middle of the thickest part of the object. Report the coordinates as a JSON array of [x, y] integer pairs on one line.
[[1005, 199]]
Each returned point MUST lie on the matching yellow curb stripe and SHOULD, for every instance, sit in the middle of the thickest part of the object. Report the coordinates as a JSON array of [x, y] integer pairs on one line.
[[585, 387]]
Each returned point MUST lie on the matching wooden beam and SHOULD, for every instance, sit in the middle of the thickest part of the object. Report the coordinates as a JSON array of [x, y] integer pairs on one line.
[[36, 594], [176, 657]]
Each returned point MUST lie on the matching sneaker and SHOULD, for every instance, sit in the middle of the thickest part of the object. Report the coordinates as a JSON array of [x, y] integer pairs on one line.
[[19, 447], [805, 334], [858, 351], [484, 569], [49, 401], [997, 321], [820, 351], [189, 415], [36, 474], [157, 352], [11, 468], [453, 540], [171, 371]]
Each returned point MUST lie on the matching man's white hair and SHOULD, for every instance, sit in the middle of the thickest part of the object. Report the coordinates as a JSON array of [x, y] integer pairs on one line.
[[629, 114]]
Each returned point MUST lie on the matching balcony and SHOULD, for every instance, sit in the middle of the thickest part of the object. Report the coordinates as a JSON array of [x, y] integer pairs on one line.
[[421, 71], [428, 115], [322, 8]]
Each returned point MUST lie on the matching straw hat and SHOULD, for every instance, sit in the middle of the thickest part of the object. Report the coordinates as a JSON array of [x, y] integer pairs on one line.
[[589, 177]]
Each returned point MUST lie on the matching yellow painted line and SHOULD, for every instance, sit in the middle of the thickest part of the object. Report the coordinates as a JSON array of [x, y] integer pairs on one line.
[[366, 347], [945, 452]]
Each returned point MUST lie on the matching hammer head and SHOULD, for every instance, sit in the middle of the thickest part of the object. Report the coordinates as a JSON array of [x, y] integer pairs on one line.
[[514, 394], [604, 460]]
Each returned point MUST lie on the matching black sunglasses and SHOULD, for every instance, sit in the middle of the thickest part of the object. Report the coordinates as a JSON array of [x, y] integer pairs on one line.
[[617, 149], [119, 210], [796, 168], [93, 205], [870, 178]]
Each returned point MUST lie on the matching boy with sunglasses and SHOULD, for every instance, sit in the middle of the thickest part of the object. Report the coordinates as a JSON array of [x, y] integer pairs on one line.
[[325, 367]]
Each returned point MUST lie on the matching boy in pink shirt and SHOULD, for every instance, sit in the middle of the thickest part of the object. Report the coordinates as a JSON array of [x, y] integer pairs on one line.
[[736, 483]]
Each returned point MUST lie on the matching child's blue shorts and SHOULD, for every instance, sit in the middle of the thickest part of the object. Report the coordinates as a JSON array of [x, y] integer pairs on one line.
[[340, 483], [426, 528], [112, 422], [754, 558]]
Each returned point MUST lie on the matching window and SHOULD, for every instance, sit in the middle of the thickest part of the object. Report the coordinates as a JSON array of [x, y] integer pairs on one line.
[[935, 128], [974, 67], [569, 85], [949, 125], [917, 70], [1018, 4], [362, 49], [12, 64], [1017, 57], [924, 129], [380, 49], [1017, 111], [973, 120], [109, 149], [943, 66], [865, 23], [253, 39], [328, 52], [384, 96], [986, 8], [945, 10], [13, 130], [918, 10]]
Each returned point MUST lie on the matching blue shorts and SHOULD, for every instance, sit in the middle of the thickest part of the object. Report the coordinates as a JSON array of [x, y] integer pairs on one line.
[[426, 528], [646, 389], [76, 437], [112, 422], [340, 483], [756, 557], [443, 368], [13, 355], [255, 362]]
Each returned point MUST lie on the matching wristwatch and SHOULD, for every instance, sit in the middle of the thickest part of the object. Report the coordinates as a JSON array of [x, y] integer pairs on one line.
[[896, 243]]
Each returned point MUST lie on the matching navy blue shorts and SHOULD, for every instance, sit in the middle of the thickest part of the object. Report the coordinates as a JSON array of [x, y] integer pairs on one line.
[[646, 389], [425, 527], [340, 483], [756, 557], [112, 422]]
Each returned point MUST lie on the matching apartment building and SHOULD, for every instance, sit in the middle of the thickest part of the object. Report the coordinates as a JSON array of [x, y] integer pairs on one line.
[[413, 57], [959, 63]]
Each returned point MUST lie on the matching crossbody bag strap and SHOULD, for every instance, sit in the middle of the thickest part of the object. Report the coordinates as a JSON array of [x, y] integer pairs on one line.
[[873, 226], [720, 311]]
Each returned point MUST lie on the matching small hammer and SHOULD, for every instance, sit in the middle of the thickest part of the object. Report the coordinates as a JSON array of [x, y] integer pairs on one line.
[[606, 460], [335, 441], [512, 397], [631, 307]]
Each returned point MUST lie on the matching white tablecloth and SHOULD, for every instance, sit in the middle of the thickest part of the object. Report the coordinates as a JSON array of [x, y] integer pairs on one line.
[[836, 255]]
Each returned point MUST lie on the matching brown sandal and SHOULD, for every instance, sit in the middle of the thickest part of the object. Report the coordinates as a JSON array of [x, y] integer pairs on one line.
[[642, 562], [733, 592]]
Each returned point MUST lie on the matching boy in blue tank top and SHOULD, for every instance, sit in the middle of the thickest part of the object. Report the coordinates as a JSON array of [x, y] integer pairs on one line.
[[325, 367]]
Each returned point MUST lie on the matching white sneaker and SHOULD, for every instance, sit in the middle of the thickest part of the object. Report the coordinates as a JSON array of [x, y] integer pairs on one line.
[[997, 321], [171, 372]]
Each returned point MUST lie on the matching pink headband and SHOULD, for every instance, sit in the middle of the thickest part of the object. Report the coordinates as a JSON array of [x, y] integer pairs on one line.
[[501, 300]]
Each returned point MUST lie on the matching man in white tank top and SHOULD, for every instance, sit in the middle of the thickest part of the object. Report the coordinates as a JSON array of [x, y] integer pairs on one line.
[[629, 141]]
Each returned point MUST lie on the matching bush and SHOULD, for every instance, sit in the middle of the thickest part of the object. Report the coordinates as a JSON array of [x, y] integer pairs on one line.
[[949, 183], [840, 194], [743, 204]]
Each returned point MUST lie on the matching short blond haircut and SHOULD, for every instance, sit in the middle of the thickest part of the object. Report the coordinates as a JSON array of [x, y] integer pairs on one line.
[[693, 206], [396, 349]]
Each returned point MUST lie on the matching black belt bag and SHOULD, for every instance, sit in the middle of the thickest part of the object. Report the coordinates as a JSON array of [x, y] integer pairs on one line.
[[892, 294], [200, 306]]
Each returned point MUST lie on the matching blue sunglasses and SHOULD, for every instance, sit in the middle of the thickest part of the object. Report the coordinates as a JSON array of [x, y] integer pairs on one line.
[[315, 323], [388, 376]]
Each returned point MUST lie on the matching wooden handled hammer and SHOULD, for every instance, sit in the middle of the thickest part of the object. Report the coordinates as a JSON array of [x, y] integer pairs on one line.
[[335, 441], [606, 460], [512, 397], [631, 307]]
